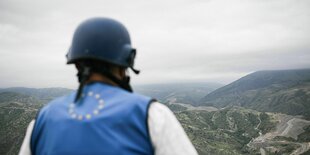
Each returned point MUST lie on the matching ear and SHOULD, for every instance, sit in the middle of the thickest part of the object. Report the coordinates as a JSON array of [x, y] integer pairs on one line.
[[122, 72]]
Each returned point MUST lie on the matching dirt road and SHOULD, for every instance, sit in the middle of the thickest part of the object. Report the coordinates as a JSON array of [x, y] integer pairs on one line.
[[288, 126], [303, 148]]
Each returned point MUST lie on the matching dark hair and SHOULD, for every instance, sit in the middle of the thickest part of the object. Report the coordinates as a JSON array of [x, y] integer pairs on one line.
[[87, 67]]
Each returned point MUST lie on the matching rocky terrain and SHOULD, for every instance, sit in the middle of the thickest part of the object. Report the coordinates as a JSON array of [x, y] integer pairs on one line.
[[284, 138]]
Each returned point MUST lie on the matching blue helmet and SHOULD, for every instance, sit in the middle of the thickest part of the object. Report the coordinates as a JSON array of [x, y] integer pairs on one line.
[[102, 39]]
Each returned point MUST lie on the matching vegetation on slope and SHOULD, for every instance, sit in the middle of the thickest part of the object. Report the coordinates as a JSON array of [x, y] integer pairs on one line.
[[285, 91], [44, 94], [305, 136], [227, 131], [16, 112], [266, 124], [15, 117]]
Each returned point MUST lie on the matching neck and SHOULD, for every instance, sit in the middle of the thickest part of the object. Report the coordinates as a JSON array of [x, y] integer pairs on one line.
[[101, 78]]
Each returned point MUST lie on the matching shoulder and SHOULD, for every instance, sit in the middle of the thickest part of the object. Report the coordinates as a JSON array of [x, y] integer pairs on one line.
[[160, 115], [157, 106], [167, 134], [51, 110], [56, 104]]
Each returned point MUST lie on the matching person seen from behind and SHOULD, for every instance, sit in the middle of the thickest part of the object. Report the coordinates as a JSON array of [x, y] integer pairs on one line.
[[104, 116]]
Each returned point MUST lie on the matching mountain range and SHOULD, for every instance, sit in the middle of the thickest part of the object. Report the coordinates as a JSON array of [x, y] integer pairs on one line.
[[285, 91]]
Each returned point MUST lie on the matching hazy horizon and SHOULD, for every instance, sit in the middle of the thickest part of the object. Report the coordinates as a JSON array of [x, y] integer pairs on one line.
[[177, 41], [155, 83]]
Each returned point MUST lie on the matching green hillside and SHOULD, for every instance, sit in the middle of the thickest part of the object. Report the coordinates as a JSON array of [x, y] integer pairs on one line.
[[46, 94], [16, 111], [286, 91], [9, 97], [17, 108], [223, 132]]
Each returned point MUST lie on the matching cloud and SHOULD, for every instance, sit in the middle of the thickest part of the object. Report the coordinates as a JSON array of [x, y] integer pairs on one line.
[[214, 40]]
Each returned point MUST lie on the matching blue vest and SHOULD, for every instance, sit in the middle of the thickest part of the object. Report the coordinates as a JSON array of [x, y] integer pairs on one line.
[[107, 120]]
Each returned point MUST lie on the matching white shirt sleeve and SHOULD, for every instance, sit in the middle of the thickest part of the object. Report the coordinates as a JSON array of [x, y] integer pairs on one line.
[[167, 135], [25, 148]]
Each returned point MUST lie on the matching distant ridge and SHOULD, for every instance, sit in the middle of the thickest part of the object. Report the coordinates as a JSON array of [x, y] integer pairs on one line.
[[10, 97], [188, 93], [41, 93], [286, 91]]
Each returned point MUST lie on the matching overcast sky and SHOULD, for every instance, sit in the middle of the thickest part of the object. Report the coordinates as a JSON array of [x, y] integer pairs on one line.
[[177, 40]]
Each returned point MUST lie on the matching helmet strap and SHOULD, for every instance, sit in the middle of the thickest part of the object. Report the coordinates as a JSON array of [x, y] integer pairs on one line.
[[83, 75], [135, 70]]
